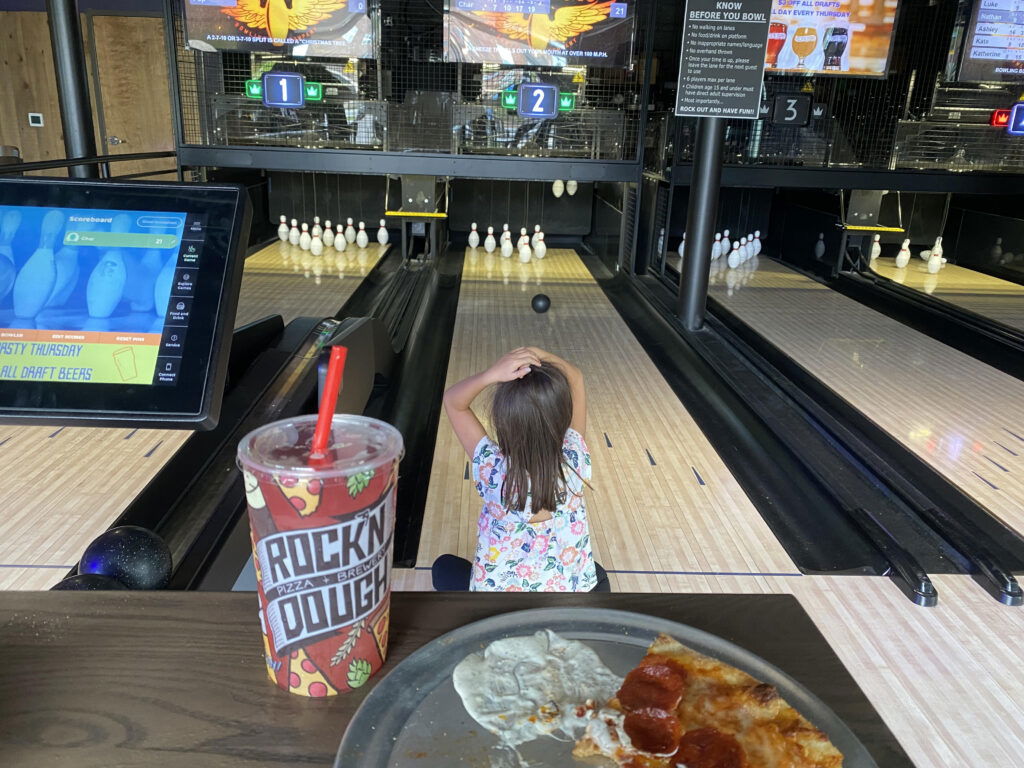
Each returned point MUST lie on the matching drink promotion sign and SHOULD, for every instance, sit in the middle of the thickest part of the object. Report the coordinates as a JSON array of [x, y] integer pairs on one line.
[[723, 58]]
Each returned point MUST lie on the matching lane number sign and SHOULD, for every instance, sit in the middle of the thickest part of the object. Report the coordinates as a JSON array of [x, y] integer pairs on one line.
[[538, 100], [285, 90]]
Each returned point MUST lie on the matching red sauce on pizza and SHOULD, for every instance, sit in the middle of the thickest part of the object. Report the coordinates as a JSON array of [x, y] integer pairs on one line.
[[709, 748]]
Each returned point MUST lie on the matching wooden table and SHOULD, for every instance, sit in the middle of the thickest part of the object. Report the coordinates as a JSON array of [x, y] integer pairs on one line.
[[177, 678]]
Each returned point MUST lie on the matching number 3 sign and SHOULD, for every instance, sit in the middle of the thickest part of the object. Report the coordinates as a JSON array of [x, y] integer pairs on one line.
[[792, 109], [538, 100]]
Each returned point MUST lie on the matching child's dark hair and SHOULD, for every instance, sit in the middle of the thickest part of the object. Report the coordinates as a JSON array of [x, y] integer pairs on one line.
[[530, 417]]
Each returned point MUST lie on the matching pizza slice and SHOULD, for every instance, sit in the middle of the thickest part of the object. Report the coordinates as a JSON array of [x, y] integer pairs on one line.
[[681, 708]]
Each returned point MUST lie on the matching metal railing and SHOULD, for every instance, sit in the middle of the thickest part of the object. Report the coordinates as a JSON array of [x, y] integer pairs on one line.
[[102, 162]]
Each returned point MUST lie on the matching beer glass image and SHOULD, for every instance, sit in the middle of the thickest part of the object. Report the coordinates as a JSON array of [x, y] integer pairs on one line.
[[776, 41], [835, 43], [805, 40]]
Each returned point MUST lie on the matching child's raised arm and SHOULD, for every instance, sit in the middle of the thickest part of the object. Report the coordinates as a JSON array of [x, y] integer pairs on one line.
[[458, 400], [579, 392]]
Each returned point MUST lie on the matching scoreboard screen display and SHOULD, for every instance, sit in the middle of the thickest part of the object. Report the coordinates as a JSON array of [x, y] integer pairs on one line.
[[994, 43]]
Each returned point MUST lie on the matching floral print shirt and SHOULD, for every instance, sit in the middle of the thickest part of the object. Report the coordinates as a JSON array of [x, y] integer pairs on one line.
[[515, 555]]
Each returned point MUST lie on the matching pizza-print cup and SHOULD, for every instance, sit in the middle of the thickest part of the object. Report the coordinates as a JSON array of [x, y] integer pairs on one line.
[[322, 538]]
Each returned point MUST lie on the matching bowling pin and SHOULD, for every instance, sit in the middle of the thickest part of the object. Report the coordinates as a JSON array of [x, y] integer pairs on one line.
[[316, 245], [105, 288], [903, 257], [744, 253], [474, 236], [819, 247], [350, 232], [382, 234], [934, 263], [681, 250], [340, 241], [489, 242], [525, 253], [750, 246], [305, 238], [505, 234], [536, 235], [937, 249], [8, 229], [328, 236], [716, 247], [34, 284], [734, 256], [995, 253], [282, 230], [524, 239], [571, 187], [506, 247], [557, 187], [317, 230], [726, 245], [757, 241], [362, 239], [876, 247], [541, 249], [293, 233]]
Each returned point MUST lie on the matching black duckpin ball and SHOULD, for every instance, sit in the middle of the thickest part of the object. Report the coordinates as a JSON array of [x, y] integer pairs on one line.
[[540, 303]]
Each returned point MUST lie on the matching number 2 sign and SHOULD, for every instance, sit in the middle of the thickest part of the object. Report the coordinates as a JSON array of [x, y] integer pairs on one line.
[[538, 100]]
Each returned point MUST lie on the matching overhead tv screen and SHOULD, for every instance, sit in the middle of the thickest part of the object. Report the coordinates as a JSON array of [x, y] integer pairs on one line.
[[994, 44], [831, 37], [553, 33], [333, 28]]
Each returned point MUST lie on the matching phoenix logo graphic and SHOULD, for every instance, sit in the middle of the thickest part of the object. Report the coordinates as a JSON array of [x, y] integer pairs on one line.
[[542, 31], [279, 17]]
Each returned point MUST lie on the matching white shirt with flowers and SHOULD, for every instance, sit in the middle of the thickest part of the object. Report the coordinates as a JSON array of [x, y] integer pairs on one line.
[[515, 555]]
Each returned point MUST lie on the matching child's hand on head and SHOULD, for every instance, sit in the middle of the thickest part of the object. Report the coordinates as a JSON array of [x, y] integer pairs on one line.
[[513, 365]]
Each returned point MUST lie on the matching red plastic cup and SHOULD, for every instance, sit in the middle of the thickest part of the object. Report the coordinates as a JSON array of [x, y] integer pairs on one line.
[[322, 538]]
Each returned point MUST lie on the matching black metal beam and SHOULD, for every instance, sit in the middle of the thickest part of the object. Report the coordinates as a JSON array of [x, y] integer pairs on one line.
[[700, 221], [47, 165], [380, 163], [72, 87]]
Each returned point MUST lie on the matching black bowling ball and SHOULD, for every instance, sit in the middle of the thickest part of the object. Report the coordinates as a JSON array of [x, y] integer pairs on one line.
[[134, 556], [88, 582], [540, 303]]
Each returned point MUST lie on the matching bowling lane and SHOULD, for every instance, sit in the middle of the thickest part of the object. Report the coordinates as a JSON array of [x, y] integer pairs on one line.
[[663, 501], [64, 486], [962, 417], [998, 300]]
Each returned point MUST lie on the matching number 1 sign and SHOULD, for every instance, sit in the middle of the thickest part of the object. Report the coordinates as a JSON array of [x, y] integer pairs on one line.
[[285, 90], [538, 100]]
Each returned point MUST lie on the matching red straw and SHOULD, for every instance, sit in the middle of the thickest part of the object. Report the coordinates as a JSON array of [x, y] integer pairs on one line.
[[332, 386]]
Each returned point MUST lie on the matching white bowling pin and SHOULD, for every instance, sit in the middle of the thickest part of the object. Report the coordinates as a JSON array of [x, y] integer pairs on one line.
[[524, 239], [937, 248], [541, 249], [876, 247], [282, 230], [293, 233], [316, 245], [317, 230], [716, 247], [819, 247], [305, 238], [726, 245], [105, 288], [570, 187], [8, 229], [489, 242], [536, 235], [934, 263], [757, 241], [340, 241], [382, 233], [525, 254], [505, 234], [995, 253], [903, 257], [362, 239], [34, 284], [557, 187], [474, 236], [350, 232], [328, 236], [750, 246], [734, 256], [506, 248], [744, 253]]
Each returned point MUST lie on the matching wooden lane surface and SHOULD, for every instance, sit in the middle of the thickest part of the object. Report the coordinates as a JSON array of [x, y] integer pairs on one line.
[[947, 680], [653, 469], [178, 679], [962, 417], [62, 487], [996, 299]]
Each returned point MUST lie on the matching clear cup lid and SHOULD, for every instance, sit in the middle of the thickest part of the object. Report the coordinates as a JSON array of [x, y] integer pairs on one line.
[[356, 444]]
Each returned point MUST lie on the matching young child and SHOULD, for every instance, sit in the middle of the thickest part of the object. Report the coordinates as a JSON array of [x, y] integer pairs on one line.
[[533, 533]]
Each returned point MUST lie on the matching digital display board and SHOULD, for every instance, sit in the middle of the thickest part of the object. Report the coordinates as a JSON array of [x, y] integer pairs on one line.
[[994, 43], [334, 28], [831, 37], [112, 296], [553, 33]]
